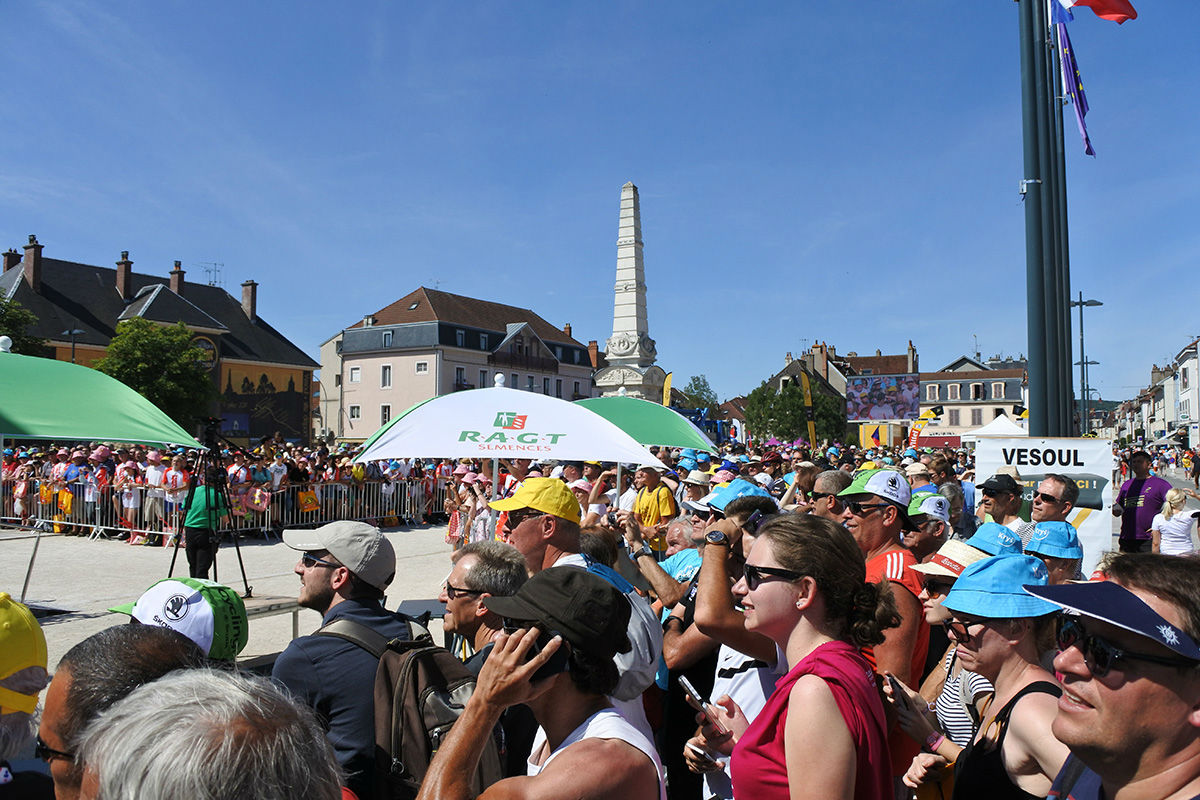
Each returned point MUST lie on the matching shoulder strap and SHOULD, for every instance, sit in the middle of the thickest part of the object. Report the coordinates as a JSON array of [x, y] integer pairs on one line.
[[1036, 687], [369, 640]]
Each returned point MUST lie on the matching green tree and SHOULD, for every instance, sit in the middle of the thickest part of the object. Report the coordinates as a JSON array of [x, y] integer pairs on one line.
[[15, 320], [161, 363], [698, 394], [782, 414]]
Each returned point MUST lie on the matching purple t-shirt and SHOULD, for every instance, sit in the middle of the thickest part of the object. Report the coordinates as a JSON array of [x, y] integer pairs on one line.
[[1140, 499]]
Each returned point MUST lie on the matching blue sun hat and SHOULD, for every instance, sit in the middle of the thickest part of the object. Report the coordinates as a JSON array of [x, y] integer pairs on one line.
[[994, 588], [1055, 539], [995, 539], [719, 498]]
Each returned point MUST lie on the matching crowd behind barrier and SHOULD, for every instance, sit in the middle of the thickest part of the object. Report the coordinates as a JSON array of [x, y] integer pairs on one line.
[[149, 515]]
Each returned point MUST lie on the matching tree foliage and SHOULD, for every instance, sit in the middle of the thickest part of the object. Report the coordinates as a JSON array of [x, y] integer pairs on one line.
[[15, 320], [781, 414], [699, 394], [162, 365]]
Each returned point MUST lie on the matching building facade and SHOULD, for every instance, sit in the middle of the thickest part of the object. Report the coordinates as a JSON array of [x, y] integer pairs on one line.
[[429, 343], [263, 380], [971, 394]]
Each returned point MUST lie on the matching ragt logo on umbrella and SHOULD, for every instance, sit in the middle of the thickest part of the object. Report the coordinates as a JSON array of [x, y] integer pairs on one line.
[[529, 441]]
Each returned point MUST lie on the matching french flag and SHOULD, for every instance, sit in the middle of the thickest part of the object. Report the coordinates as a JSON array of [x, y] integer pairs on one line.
[[1118, 11]]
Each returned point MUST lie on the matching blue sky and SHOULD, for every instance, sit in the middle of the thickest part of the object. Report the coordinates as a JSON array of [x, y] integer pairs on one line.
[[844, 172]]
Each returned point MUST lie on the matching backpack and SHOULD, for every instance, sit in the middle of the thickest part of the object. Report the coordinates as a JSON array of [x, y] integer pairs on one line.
[[420, 692]]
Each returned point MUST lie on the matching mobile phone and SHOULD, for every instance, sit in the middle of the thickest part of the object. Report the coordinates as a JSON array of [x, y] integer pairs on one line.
[[700, 751], [557, 662], [710, 712], [898, 692], [752, 523]]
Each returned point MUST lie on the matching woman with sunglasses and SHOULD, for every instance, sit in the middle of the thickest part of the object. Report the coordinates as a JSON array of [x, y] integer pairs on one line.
[[822, 733], [996, 624]]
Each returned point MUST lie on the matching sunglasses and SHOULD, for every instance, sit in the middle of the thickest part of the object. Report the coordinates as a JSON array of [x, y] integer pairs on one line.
[[453, 592], [515, 518], [936, 588], [310, 561], [1046, 498], [755, 575], [47, 753], [1101, 655], [833, 499], [861, 509], [960, 631]]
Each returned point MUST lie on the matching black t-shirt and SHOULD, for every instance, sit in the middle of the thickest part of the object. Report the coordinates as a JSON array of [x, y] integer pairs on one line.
[[24, 785]]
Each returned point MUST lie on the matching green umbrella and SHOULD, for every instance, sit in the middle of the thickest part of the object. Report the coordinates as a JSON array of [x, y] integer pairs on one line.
[[42, 398], [649, 423]]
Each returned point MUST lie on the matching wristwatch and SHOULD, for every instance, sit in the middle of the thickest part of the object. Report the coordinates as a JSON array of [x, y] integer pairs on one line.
[[644, 551], [717, 537]]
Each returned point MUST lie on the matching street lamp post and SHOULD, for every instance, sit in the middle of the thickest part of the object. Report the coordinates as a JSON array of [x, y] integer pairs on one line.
[[73, 333], [1083, 362]]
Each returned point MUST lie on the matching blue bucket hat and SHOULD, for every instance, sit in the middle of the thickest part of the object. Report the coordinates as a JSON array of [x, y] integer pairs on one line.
[[994, 588], [687, 452], [688, 464], [703, 457], [719, 498], [1055, 539], [996, 540]]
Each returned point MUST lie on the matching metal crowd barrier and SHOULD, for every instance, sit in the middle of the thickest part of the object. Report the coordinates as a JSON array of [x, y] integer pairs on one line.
[[144, 514]]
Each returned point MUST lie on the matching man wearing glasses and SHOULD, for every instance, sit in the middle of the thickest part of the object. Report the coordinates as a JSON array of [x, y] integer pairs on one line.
[[876, 515], [1054, 499], [1130, 670], [344, 568]]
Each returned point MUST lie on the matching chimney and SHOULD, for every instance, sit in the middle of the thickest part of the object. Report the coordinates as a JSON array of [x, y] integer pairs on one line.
[[250, 299], [33, 264], [567, 329], [787, 358], [177, 279], [878, 352], [125, 276], [368, 320], [11, 259], [594, 353]]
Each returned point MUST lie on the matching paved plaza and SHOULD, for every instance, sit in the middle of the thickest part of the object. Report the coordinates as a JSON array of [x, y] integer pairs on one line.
[[84, 578]]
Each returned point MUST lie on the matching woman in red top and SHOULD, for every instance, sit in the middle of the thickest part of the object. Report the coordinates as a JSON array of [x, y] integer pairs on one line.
[[822, 732]]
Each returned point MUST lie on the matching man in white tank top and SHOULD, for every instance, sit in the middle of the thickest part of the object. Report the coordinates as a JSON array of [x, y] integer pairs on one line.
[[584, 748]]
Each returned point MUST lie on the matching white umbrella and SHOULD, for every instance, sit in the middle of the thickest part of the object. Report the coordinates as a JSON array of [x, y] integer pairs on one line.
[[503, 423]]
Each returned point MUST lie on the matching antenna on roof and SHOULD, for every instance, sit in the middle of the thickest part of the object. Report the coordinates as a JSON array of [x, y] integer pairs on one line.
[[213, 270]]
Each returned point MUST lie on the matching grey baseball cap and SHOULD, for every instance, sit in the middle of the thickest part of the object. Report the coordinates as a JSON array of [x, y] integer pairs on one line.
[[362, 548]]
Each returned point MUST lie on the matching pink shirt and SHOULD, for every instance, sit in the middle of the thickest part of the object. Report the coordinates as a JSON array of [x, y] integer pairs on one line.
[[759, 766]]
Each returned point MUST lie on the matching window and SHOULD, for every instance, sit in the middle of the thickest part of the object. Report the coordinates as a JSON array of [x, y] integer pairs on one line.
[[337, 380], [955, 416], [545, 386], [460, 337], [460, 376], [385, 376], [1183, 377], [976, 391], [952, 392], [976, 416], [558, 387], [558, 352], [355, 374], [515, 382], [933, 393], [997, 412], [387, 338], [385, 414], [483, 341], [576, 388], [998, 390], [355, 412], [529, 384], [422, 368], [483, 379]]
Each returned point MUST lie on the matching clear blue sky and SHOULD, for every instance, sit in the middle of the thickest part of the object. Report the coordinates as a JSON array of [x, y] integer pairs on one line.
[[844, 172]]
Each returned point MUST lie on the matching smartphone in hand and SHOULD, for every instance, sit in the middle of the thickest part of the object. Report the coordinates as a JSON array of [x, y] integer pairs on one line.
[[710, 711]]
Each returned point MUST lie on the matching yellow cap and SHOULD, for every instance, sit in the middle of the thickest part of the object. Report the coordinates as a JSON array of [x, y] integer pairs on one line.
[[22, 645], [548, 495]]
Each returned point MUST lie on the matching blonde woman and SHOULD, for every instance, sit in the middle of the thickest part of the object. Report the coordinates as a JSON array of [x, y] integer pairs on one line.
[[1172, 529]]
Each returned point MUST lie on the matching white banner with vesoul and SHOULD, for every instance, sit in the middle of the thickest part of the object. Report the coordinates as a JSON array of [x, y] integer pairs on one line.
[[1088, 462]]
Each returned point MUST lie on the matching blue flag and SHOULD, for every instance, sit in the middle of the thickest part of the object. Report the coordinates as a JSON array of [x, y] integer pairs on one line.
[[1074, 84]]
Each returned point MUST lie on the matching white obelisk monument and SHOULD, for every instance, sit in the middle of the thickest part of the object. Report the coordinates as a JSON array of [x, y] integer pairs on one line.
[[630, 351]]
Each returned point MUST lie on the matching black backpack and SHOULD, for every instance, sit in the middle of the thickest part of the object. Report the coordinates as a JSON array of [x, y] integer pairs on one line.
[[420, 692]]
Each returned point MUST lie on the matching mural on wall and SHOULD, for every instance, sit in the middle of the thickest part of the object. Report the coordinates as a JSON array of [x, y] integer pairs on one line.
[[260, 401]]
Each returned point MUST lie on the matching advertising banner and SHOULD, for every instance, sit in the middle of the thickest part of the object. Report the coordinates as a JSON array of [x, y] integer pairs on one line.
[[872, 398], [1088, 462]]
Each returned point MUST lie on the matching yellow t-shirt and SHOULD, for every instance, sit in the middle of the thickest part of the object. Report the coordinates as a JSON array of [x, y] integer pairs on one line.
[[652, 506]]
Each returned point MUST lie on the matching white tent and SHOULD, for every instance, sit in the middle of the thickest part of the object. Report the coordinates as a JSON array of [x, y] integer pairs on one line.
[[999, 428]]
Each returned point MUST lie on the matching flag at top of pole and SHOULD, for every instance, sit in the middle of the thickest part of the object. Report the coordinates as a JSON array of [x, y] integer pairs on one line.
[[1118, 11]]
